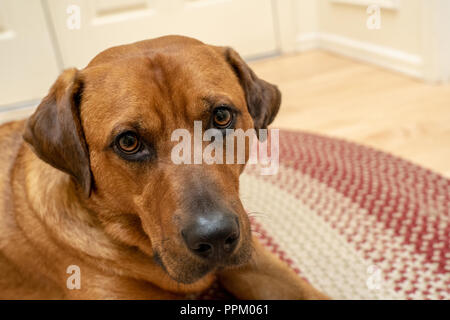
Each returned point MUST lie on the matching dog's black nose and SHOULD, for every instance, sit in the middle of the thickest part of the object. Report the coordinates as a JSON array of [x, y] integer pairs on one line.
[[213, 235]]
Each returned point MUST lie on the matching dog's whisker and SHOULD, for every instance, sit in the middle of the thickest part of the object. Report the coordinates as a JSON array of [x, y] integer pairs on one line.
[[257, 213], [257, 232]]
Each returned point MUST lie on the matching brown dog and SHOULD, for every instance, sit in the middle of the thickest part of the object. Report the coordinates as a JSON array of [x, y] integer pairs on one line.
[[94, 185]]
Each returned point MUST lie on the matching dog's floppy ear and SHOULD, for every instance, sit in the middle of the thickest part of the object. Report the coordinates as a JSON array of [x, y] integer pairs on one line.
[[263, 98], [55, 133]]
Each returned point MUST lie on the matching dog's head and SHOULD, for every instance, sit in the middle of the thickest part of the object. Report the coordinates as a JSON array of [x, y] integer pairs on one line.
[[110, 125]]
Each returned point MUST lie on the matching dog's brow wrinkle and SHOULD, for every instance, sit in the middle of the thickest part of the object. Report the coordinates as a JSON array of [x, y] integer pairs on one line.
[[162, 118], [215, 101]]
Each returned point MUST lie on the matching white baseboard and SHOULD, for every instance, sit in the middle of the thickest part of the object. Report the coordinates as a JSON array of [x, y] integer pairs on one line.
[[17, 111], [307, 41], [406, 63]]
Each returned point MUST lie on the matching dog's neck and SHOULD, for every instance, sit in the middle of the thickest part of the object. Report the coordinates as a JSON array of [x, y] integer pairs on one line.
[[54, 205]]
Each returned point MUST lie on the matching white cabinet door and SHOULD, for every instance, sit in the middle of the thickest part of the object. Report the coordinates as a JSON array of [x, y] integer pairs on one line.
[[27, 61], [247, 25]]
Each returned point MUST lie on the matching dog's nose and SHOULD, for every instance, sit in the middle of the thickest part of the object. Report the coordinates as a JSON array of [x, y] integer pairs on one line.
[[213, 235]]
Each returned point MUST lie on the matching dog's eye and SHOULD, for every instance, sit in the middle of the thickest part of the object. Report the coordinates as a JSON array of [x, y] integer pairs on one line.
[[128, 143], [222, 118], [131, 147]]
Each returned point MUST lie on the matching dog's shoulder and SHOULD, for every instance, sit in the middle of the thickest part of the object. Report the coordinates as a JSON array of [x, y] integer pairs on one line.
[[11, 134], [10, 141]]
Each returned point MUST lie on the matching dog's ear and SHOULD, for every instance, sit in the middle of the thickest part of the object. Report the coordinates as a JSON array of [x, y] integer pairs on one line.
[[55, 133], [263, 98]]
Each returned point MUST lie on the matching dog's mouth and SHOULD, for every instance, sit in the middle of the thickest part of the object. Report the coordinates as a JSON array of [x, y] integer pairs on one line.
[[188, 273], [187, 269]]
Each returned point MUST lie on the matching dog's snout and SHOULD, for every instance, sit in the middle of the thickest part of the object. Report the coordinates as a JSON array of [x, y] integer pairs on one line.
[[213, 235]]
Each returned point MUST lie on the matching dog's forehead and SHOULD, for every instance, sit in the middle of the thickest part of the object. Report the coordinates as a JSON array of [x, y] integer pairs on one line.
[[147, 47], [172, 64]]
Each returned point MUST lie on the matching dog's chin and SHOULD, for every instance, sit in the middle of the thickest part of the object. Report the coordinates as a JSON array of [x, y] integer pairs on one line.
[[187, 272], [189, 269], [191, 275]]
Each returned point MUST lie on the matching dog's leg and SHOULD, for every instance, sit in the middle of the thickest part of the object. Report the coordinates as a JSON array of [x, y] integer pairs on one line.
[[267, 277], [95, 286]]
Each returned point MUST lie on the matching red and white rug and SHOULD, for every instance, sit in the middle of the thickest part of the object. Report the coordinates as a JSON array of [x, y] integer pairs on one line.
[[355, 222]]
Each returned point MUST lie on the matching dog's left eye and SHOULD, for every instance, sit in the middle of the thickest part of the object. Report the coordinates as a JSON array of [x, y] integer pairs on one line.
[[222, 118]]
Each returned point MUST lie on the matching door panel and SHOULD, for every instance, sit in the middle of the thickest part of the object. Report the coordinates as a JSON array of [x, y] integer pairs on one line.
[[105, 23], [27, 61]]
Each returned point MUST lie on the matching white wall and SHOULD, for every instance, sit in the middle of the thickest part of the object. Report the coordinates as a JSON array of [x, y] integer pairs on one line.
[[413, 37], [400, 28]]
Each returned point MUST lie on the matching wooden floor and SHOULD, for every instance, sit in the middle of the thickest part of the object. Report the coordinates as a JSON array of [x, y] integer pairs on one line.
[[336, 96]]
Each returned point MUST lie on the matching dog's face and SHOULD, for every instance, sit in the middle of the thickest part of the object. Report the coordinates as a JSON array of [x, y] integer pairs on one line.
[[110, 126]]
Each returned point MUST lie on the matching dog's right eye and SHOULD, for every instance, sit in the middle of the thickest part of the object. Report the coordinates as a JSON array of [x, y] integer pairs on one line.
[[131, 147], [128, 143]]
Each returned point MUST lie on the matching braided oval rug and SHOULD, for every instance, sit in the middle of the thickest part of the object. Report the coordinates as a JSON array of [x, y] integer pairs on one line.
[[355, 222]]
